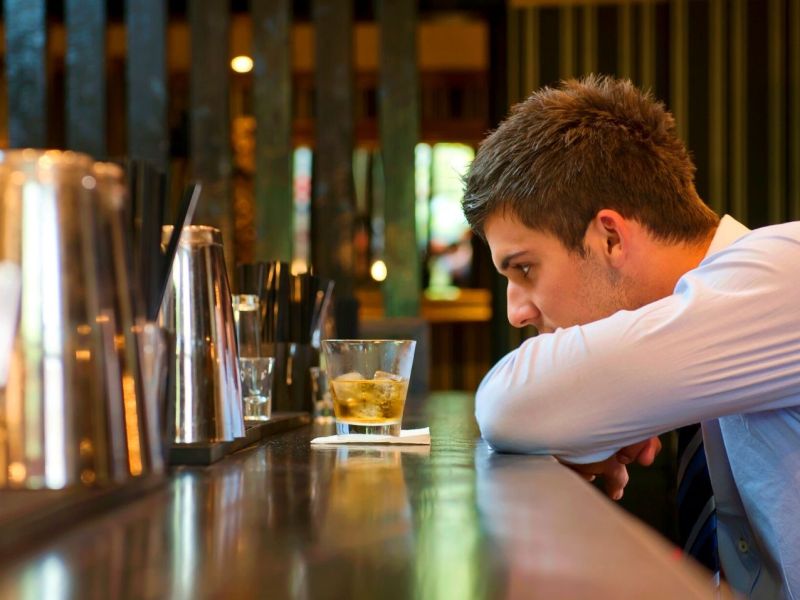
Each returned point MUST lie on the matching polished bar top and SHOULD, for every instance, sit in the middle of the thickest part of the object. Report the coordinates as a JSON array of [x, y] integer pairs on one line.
[[284, 520]]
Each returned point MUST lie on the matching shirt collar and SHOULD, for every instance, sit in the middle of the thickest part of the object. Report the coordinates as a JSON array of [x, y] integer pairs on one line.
[[728, 231]]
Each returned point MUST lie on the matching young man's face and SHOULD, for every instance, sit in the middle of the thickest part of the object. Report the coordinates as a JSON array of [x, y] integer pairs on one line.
[[548, 286]]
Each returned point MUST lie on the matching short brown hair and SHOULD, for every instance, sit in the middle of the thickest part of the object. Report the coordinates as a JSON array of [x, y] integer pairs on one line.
[[565, 153]]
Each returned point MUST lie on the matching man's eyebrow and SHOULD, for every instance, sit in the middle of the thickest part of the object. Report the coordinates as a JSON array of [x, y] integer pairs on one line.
[[504, 263]]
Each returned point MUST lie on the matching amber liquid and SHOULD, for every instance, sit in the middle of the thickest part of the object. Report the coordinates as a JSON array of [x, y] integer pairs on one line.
[[369, 401]]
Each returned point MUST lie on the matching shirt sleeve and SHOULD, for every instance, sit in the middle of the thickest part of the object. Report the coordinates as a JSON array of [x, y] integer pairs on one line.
[[726, 341]]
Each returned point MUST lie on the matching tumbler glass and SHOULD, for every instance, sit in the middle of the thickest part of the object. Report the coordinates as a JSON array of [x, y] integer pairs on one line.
[[369, 383], [256, 374]]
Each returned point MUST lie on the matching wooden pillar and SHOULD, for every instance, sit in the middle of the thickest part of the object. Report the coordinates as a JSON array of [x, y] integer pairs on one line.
[[399, 130], [209, 123], [679, 66], [738, 123], [718, 105], [272, 106], [567, 60], [333, 202], [86, 76], [148, 138], [625, 41], [589, 34], [531, 51], [26, 71], [513, 55], [647, 45], [794, 110], [776, 116]]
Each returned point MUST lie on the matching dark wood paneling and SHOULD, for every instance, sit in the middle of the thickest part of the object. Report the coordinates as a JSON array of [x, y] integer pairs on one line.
[[209, 128], [399, 127], [26, 37], [86, 76], [333, 203], [147, 84], [272, 106]]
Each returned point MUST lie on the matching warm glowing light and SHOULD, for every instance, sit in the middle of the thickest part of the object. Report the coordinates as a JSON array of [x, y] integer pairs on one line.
[[378, 270], [132, 425], [17, 472], [299, 266], [242, 64], [85, 447]]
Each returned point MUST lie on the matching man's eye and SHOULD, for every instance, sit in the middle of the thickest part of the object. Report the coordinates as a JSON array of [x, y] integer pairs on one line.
[[524, 269]]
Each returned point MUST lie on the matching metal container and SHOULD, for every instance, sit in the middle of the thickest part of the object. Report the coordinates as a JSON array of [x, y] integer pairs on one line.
[[72, 407], [206, 392]]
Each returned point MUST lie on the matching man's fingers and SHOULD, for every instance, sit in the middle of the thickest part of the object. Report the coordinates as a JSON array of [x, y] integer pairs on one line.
[[649, 452], [642, 452], [629, 454], [616, 478]]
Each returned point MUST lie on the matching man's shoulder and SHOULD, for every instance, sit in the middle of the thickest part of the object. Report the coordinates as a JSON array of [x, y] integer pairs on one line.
[[779, 242]]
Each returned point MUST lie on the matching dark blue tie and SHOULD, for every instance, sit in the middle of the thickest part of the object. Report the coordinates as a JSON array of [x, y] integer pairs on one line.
[[697, 516]]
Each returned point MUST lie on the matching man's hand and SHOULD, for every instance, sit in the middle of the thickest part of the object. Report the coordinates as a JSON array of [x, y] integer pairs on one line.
[[613, 469], [613, 472], [644, 452]]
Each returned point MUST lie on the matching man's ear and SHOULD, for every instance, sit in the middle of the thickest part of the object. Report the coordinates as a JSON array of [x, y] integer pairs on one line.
[[609, 235]]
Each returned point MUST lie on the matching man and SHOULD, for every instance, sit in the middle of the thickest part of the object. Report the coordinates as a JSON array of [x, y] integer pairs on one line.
[[652, 313]]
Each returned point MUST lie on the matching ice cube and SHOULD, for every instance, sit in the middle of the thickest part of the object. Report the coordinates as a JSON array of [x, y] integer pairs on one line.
[[386, 375], [351, 376]]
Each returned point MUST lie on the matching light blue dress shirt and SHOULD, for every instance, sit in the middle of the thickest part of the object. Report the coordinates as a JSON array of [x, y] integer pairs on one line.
[[723, 350]]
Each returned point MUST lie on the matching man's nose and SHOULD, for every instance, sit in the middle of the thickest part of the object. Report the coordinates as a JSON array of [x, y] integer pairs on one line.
[[521, 309]]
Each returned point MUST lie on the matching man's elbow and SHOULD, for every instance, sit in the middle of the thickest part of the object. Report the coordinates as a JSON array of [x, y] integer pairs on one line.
[[506, 427]]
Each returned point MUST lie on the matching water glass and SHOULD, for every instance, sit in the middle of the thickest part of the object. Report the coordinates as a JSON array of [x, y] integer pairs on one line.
[[247, 316], [256, 375]]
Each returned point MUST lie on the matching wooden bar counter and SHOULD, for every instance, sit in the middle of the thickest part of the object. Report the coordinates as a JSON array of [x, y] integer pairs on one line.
[[285, 520]]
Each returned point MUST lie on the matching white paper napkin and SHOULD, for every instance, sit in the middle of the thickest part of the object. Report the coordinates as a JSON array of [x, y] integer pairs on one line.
[[407, 436]]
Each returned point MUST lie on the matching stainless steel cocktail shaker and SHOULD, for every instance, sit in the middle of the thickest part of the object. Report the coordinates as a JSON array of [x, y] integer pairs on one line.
[[206, 395]]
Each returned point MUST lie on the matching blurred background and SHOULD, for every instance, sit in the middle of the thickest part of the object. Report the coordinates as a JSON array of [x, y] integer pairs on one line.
[[335, 133]]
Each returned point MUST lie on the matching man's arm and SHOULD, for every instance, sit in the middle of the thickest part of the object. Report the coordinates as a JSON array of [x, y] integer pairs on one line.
[[727, 341]]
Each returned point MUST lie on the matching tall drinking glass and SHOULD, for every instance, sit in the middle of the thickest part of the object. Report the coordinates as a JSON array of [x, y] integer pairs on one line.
[[247, 316], [369, 383], [255, 370]]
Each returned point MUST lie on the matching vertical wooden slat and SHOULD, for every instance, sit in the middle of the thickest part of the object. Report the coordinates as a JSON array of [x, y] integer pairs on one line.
[[589, 32], [717, 110], [679, 66], [776, 117], [625, 66], [738, 122], [399, 130], [647, 45], [514, 78], [531, 51], [26, 39], [145, 24], [794, 110], [86, 76], [566, 42], [209, 116], [334, 115], [272, 106]]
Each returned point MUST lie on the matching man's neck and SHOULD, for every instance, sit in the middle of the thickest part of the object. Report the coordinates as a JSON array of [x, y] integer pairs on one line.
[[667, 263]]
